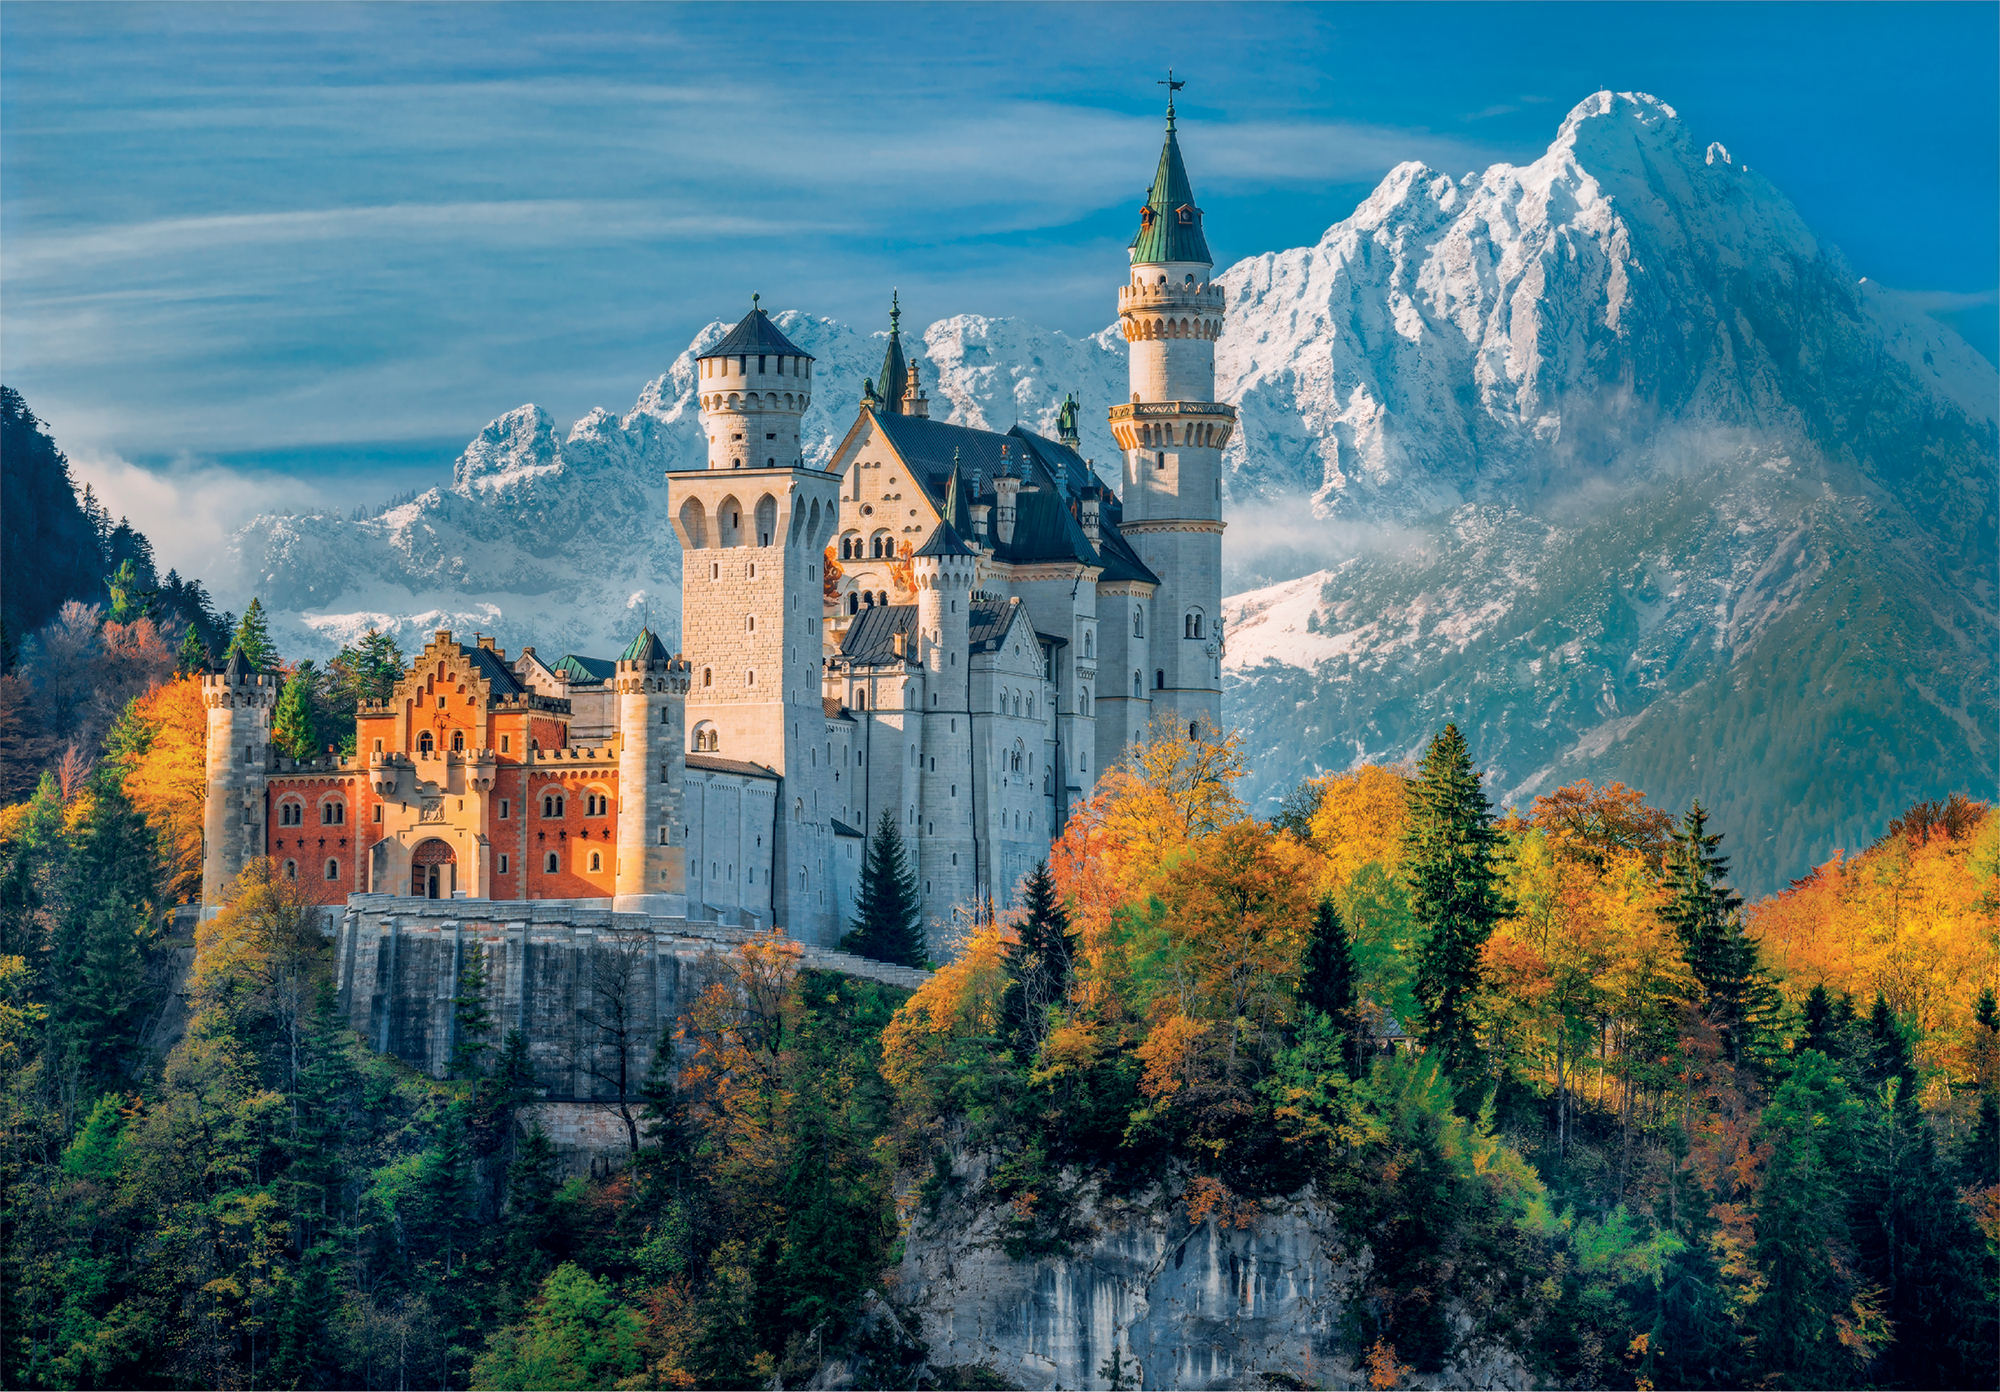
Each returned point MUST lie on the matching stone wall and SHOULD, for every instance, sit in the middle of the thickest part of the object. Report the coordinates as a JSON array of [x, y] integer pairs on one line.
[[588, 989]]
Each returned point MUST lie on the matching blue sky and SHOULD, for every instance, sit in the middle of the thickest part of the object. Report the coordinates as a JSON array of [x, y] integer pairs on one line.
[[321, 246]]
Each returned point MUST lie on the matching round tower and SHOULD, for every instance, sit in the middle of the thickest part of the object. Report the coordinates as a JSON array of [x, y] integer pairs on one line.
[[754, 387], [1173, 432], [240, 700], [944, 571], [652, 854]]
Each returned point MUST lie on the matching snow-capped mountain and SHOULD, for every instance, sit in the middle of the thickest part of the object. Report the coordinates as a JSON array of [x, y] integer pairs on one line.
[[1607, 457]]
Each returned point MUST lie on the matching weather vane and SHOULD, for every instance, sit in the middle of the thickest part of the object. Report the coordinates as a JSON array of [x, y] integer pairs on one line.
[[1169, 83]]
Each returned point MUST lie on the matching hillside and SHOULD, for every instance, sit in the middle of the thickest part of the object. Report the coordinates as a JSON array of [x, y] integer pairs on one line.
[[1608, 457]]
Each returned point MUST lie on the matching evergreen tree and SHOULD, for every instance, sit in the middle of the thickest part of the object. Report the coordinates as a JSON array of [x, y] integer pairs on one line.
[[887, 924], [1706, 916], [193, 656], [1455, 896], [366, 670], [471, 1021], [1979, 1166], [130, 599], [96, 954], [1039, 966], [253, 639], [1889, 1053], [292, 727], [1326, 980]]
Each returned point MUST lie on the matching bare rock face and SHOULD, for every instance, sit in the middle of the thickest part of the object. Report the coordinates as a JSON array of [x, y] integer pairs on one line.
[[1177, 1304]]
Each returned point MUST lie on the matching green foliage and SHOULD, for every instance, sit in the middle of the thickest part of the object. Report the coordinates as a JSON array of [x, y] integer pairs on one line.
[[888, 919], [576, 1335], [292, 726], [1455, 897], [1327, 981], [1039, 966], [253, 639], [365, 670], [97, 947], [1295, 810], [192, 655], [471, 1021], [1706, 915]]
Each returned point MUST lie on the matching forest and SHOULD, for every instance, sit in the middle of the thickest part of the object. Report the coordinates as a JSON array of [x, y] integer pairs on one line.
[[1555, 1078]]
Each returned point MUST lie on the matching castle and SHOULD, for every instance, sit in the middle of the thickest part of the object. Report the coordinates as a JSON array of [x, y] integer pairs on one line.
[[959, 626]]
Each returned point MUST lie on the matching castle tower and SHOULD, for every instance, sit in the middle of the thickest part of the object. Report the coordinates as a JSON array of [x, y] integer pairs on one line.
[[945, 570], [893, 386], [239, 701], [652, 757], [1172, 432], [753, 533]]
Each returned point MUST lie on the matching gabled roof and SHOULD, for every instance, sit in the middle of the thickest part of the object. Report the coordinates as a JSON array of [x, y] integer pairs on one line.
[[1163, 236], [498, 674], [988, 621], [645, 648], [834, 710], [586, 671], [756, 334], [870, 639], [841, 828], [713, 763]]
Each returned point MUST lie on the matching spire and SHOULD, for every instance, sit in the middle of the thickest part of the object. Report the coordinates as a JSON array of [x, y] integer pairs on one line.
[[951, 492], [1170, 223], [895, 378]]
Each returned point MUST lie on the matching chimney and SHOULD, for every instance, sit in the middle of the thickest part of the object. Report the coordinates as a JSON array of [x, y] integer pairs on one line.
[[1087, 515], [1003, 515]]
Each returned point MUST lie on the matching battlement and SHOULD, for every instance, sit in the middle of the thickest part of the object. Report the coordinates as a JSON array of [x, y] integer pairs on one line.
[[1203, 297]]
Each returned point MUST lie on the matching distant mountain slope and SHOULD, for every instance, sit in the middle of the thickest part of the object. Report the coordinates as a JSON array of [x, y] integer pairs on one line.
[[1606, 456]]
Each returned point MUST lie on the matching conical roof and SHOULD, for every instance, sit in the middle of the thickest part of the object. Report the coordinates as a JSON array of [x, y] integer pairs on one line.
[[237, 666], [895, 378], [644, 648], [756, 334], [1170, 223], [944, 541]]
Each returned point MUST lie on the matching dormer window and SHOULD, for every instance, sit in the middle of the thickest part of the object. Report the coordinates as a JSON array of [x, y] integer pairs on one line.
[[1186, 212], [1146, 216]]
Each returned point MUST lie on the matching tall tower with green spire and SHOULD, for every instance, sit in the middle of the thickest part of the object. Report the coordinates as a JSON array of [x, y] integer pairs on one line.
[[1172, 432]]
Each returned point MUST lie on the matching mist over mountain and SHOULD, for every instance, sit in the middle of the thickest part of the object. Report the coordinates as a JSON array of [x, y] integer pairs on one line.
[[1606, 457]]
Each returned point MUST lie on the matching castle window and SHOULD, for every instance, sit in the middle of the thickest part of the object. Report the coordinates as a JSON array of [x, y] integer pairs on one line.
[[425, 744], [1136, 684], [1159, 679], [1193, 730], [1160, 460], [378, 814], [1089, 643], [552, 804], [333, 814], [458, 741], [503, 863], [1138, 623], [505, 809], [853, 601], [1187, 219], [333, 869], [663, 836], [707, 677], [750, 623], [750, 677], [1192, 624], [378, 746], [290, 814], [597, 860], [506, 743], [550, 864], [291, 869]]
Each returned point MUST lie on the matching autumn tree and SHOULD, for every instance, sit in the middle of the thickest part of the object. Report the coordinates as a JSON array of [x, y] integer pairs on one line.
[[1448, 855], [159, 748]]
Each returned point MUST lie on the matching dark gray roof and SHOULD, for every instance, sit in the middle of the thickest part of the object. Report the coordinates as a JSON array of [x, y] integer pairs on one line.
[[869, 640], [944, 542], [988, 622], [756, 334], [647, 647], [841, 828], [498, 674], [1121, 562], [711, 763]]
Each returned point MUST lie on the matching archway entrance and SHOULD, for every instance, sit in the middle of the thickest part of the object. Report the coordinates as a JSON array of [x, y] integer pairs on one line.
[[433, 870]]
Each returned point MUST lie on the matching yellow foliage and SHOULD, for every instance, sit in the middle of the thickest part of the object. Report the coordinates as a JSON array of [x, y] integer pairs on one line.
[[167, 783], [1361, 818], [1914, 917], [960, 1001]]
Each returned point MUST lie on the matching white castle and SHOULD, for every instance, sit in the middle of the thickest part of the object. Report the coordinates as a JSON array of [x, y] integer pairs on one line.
[[958, 626]]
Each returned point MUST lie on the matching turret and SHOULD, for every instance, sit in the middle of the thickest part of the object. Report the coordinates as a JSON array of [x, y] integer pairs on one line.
[[239, 700], [944, 570], [652, 854], [755, 385]]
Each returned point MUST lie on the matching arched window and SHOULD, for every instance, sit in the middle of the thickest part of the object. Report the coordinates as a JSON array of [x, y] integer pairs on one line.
[[875, 547], [1138, 623], [291, 869], [1135, 684], [1159, 679], [707, 677], [1192, 624], [290, 814], [597, 860], [860, 700], [333, 813], [1194, 731], [552, 804], [853, 601], [333, 869], [458, 741], [705, 738], [1160, 460], [1089, 643], [550, 864], [424, 744]]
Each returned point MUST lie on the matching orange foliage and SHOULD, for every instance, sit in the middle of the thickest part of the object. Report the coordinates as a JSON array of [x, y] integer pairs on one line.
[[739, 1028], [1361, 818], [1916, 917], [167, 783], [1588, 823], [960, 1001]]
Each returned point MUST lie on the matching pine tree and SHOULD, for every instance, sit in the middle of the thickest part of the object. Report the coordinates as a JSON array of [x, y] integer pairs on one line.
[[292, 728], [1455, 898], [1039, 965], [253, 640], [193, 655], [887, 924], [471, 1021], [1706, 915], [1326, 980], [97, 957]]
